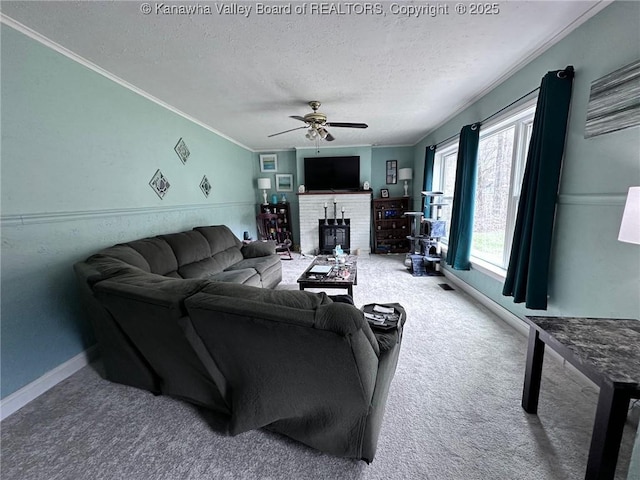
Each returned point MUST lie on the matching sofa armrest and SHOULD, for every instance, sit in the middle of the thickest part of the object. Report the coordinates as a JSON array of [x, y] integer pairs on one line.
[[345, 319], [258, 249]]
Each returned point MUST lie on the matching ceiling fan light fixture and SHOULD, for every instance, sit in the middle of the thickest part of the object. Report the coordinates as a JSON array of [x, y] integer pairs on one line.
[[312, 134]]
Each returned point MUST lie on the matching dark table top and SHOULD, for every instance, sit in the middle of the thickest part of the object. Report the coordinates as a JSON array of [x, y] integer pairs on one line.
[[338, 274], [608, 346]]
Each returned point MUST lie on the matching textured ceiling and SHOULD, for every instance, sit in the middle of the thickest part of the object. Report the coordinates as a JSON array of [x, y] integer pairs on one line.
[[243, 75]]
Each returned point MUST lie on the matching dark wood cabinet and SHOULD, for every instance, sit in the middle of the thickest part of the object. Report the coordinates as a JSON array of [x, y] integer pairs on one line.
[[390, 224], [278, 225]]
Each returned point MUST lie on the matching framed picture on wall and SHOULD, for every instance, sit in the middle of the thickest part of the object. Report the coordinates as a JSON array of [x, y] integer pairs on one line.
[[269, 163], [384, 193], [284, 182], [392, 172]]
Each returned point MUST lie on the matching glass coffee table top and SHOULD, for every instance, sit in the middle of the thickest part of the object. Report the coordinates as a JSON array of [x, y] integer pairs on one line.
[[325, 272]]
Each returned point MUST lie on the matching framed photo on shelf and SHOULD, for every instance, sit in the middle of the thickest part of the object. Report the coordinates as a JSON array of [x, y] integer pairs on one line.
[[284, 182], [392, 172], [269, 163], [384, 193]]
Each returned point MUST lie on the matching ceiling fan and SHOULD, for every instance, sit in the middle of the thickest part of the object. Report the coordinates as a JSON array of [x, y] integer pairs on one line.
[[316, 123]]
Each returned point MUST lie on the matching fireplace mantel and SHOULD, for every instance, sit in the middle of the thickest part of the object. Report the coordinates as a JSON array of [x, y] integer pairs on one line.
[[361, 192]]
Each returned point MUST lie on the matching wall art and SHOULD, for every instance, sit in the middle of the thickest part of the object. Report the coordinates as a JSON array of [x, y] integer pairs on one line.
[[392, 171], [284, 182], [205, 186], [614, 102], [160, 184], [269, 163], [182, 151]]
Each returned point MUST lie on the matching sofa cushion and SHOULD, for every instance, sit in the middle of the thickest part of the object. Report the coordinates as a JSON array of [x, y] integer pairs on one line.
[[220, 238], [246, 276], [202, 269], [188, 247], [260, 264], [158, 254], [258, 249], [101, 267], [177, 287], [127, 255], [287, 298]]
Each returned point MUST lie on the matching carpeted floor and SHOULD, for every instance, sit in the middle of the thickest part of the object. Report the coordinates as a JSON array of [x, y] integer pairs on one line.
[[453, 411]]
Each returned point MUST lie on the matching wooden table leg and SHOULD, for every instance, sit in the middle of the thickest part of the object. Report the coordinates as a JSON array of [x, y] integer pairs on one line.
[[533, 372], [611, 415]]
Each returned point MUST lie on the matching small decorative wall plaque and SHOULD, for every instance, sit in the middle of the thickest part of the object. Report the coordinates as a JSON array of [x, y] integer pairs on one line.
[[182, 151], [205, 186], [159, 183]]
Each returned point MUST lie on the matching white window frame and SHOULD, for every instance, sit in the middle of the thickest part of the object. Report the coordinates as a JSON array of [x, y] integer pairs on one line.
[[521, 118], [439, 176]]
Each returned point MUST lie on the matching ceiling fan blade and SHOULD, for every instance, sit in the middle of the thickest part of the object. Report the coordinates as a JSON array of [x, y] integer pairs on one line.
[[346, 125], [329, 138], [298, 117], [286, 131]]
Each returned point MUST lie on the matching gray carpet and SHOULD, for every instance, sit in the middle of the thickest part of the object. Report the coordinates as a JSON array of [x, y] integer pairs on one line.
[[453, 411]]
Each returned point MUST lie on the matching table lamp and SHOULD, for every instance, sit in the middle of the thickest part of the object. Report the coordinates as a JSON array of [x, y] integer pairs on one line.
[[630, 225], [405, 174], [264, 184]]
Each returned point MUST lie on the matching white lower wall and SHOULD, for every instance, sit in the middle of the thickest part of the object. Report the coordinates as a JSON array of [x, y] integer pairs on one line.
[[357, 208]]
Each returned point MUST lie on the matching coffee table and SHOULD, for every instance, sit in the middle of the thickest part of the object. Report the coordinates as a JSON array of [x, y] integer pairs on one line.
[[324, 272]]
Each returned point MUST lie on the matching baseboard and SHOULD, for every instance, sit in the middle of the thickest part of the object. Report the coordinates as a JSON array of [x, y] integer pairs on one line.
[[19, 399], [504, 314], [518, 324]]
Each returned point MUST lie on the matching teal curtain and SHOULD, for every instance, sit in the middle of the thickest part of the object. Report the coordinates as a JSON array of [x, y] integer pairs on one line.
[[427, 182], [527, 274], [464, 199]]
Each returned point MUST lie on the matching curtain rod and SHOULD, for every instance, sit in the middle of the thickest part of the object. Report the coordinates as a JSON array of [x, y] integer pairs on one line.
[[433, 147], [568, 71]]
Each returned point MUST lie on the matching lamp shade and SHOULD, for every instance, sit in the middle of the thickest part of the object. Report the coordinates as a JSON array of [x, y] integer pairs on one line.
[[630, 225], [405, 174], [264, 183]]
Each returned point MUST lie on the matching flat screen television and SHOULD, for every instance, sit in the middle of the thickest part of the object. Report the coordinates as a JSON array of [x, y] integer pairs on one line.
[[332, 173]]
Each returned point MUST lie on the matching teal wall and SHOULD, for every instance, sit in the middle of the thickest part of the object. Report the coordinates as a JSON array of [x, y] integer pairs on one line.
[[287, 164], [78, 152], [592, 273], [380, 155]]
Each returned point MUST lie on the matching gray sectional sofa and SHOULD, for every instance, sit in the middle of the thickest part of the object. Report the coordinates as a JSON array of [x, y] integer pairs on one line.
[[186, 315]]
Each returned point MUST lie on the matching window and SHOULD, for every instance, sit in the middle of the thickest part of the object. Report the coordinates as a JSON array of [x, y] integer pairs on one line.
[[502, 153], [444, 180]]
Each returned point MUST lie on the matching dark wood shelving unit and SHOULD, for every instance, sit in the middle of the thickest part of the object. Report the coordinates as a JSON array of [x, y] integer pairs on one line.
[[390, 225], [279, 229]]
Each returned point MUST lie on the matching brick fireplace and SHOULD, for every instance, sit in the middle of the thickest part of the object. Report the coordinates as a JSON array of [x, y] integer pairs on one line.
[[357, 208]]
